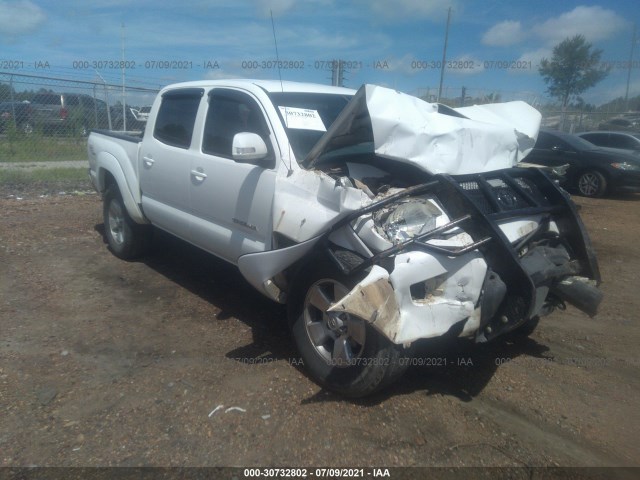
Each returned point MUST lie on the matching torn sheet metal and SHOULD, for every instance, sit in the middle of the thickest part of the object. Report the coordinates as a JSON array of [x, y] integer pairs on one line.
[[373, 300], [259, 268], [407, 129], [452, 289], [306, 203]]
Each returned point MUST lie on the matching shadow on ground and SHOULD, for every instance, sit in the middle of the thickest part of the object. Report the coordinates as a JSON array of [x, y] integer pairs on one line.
[[446, 366]]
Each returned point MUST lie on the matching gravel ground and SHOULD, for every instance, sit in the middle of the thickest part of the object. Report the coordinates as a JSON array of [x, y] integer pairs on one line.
[[176, 361]]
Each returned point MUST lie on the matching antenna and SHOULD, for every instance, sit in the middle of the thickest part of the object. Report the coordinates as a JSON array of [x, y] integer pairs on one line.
[[273, 27], [444, 54], [285, 116]]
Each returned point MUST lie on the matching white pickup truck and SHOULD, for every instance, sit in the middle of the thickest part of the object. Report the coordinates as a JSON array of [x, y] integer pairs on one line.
[[378, 218]]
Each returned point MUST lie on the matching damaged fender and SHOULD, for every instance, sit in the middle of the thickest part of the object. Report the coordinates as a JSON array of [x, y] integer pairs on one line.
[[452, 288]]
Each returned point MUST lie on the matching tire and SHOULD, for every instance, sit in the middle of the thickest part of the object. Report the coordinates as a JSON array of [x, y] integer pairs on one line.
[[342, 353], [27, 128], [126, 239], [591, 183]]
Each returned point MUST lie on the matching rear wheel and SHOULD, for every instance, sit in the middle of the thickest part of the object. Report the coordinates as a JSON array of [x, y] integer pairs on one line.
[[591, 183], [342, 352], [126, 238]]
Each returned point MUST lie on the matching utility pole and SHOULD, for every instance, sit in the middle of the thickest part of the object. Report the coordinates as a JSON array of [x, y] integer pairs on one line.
[[633, 45], [444, 54], [337, 73], [106, 99]]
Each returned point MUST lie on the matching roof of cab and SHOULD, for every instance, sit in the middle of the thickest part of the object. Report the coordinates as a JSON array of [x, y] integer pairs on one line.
[[268, 85]]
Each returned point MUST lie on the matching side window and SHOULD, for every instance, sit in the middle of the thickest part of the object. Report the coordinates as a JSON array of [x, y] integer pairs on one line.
[[177, 116], [548, 142], [626, 142], [545, 141], [598, 139], [231, 112]]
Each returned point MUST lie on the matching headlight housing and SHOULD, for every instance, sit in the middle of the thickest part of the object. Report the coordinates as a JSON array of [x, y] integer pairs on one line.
[[403, 221], [626, 166]]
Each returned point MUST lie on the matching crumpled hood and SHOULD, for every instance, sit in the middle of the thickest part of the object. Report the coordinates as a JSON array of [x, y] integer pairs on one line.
[[434, 137]]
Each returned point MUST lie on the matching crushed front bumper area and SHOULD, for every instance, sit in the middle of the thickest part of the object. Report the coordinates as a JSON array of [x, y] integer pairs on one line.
[[489, 286]]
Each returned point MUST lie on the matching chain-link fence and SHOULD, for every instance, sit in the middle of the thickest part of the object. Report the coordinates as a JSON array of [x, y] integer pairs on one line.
[[44, 118], [576, 122]]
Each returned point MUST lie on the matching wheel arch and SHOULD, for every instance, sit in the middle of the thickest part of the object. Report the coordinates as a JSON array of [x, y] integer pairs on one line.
[[111, 173]]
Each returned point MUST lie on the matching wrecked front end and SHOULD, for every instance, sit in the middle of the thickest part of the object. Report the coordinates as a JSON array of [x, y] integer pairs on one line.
[[475, 255], [407, 221]]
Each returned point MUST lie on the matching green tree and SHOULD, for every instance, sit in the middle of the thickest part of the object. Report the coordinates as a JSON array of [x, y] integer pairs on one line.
[[573, 68], [5, 92]]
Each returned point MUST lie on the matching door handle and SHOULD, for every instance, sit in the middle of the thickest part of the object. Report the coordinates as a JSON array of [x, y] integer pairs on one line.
[[198, 174], [148, 161]]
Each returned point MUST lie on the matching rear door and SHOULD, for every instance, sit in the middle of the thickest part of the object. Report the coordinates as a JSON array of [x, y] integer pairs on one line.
[[165, 161], [232, 201]]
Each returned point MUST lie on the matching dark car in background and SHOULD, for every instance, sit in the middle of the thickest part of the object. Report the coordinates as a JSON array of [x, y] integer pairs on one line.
[[593, 171], [16, 114], [627, 141], [71, 113], [625, 123]]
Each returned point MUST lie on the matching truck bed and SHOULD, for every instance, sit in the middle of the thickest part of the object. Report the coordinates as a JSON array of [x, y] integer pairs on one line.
[[137, 138]]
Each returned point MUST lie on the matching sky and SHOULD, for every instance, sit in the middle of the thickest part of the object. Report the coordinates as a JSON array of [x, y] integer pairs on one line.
[[494, 46]]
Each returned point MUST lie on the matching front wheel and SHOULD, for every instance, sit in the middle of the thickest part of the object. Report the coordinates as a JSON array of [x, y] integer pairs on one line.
[[591, 184], [126, 238], [527, 328], [342, 352]]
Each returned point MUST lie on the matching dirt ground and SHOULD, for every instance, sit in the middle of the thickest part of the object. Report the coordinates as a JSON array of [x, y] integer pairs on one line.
[[112, 363]]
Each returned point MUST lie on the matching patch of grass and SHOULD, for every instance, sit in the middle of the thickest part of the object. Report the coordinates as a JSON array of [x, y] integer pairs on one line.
[[43, 175], [49, 180], [20, 147]]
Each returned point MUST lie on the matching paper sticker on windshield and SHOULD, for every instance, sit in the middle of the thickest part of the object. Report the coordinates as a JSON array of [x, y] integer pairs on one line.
[[302, 118]]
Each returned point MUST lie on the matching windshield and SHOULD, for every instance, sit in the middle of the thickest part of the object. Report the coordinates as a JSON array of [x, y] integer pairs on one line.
[[308, 116]]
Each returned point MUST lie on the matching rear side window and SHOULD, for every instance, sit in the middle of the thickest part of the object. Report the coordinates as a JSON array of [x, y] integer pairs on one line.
[[624, 142], [177, 116]]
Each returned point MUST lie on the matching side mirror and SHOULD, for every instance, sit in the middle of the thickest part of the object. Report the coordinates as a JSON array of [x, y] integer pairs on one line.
[[248, 147]]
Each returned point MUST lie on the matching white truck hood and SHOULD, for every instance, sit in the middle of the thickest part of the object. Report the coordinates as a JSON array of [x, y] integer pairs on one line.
[[436, 138]]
